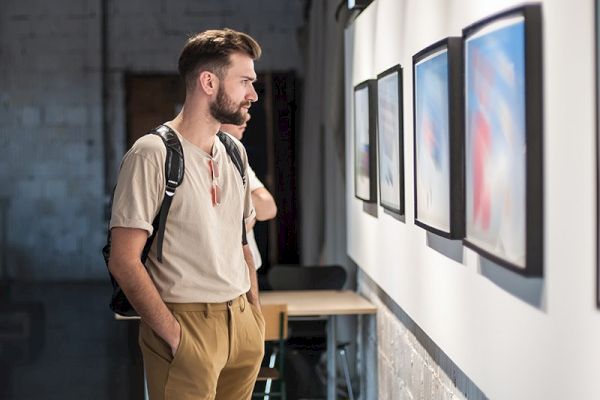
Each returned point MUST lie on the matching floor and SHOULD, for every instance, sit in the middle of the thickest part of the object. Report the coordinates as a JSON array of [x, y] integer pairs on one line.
[[60, 341], [63, 343]]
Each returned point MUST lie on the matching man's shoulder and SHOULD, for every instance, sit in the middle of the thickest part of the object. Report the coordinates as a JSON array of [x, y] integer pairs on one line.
[[238, 144], [149, 146], [241, 149]]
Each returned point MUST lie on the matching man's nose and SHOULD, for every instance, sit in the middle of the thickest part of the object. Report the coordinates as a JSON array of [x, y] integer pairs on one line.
[[252, 95]]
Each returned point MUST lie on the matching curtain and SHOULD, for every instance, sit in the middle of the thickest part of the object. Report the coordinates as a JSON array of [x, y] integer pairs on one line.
[[322, 158]]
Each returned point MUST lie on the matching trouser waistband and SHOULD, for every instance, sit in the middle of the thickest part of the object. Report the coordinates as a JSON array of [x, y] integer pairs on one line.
[[240, 300]]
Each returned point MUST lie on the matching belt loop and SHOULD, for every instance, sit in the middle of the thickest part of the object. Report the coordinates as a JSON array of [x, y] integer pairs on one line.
[[243, 303]]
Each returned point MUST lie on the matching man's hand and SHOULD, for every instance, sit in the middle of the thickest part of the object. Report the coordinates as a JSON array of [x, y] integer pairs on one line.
[[250, 224], [175, 339], [253, 299]]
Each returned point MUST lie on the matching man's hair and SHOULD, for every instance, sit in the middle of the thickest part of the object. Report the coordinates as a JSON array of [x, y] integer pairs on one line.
[[210, 51]]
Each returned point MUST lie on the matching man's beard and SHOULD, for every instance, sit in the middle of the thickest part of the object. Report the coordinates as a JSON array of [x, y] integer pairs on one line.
[[224, 110]]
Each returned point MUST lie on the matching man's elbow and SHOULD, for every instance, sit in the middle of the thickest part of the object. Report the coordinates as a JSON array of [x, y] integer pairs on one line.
[[113, 267], [271, 211], [117, 265], [267, 211], [127, 245], [264, 204]]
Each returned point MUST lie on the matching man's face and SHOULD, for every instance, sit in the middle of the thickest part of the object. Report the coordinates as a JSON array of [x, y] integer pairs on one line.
[[236, 130], [236, 92]]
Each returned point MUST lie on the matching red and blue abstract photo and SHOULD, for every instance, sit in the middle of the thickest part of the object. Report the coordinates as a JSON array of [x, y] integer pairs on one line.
[[495, 141]]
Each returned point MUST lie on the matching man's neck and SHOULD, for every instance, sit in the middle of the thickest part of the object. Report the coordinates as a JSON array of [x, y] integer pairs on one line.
[[197, 126]]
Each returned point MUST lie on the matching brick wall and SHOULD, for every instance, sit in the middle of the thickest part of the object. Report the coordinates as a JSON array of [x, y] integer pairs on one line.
[[51, 142], [401, 361], [51, 150]]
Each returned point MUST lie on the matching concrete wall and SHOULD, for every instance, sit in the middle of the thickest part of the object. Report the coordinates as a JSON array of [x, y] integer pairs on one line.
[[509, 337], [147, 36], [51, 151], [51, 143]]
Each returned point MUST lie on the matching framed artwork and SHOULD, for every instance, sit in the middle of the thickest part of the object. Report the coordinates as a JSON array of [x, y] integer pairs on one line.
[[438, 138], [365, 146], [390, 142], [503, 139]]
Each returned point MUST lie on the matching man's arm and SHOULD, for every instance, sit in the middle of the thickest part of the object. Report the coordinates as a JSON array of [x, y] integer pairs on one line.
[[264, 204], [125, 265], [252, 294]]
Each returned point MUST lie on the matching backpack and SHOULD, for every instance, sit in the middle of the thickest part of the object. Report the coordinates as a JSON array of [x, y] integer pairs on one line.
[[174, 172]]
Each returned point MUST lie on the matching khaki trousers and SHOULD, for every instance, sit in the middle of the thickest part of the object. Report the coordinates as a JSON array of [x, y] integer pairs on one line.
[[219, 356]]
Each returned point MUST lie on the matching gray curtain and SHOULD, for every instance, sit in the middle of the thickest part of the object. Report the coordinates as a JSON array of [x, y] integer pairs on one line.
[[322, 169]]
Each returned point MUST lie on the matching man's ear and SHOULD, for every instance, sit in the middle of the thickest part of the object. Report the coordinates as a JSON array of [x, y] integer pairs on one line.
[[208, 82]]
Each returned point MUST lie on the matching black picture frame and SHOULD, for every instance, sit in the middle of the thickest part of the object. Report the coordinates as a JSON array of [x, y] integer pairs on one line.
[[398, 116], [530, 118], [365, 113], [453, 151], [597, 69]]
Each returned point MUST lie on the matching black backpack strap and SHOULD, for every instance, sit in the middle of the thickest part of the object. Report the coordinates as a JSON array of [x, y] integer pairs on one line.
[[244, 238], [234, 153], [174, 172]]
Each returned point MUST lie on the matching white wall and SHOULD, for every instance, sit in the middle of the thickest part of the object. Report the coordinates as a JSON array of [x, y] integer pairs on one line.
[[514, 337]]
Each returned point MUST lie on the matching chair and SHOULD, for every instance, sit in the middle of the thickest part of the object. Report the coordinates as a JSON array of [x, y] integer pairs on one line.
[[296, 277], [276, 331], [321, 277]]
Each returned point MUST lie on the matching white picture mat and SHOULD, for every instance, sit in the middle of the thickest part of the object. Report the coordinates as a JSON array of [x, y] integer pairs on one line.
[[388, 131], [362, 145]]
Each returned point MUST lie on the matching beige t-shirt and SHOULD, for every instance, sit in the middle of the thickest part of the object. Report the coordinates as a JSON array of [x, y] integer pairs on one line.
[[203, 261]]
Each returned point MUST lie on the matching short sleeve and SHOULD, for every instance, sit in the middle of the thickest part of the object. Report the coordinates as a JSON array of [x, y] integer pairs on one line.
[[140, 188], [254, 182]]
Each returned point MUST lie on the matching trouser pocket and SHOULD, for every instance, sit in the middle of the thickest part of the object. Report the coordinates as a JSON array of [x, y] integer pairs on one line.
[[154, 344], [158, 359], [259, 318]]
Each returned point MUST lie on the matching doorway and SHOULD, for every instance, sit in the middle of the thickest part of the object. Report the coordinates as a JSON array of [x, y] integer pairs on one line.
[[270, 141]]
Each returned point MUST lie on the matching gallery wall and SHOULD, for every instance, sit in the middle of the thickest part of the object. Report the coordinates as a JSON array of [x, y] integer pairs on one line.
[[514, 337]]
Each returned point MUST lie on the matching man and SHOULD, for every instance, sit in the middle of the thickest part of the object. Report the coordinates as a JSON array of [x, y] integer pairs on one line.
[[263, 201], [201, 330]]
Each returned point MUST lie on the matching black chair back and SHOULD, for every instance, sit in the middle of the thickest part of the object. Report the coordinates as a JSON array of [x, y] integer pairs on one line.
[[297, 277]]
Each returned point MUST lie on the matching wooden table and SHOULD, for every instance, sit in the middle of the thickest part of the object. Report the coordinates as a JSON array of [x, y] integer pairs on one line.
[[327, 304]]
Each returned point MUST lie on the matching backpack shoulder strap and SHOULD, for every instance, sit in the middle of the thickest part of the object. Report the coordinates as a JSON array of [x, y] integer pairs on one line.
[[234, 153], [174, 162], [174, 172]]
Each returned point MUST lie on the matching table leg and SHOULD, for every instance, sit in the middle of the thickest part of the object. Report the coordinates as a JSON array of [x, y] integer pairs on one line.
[[360, 345], [331, 358], [370, 357]]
